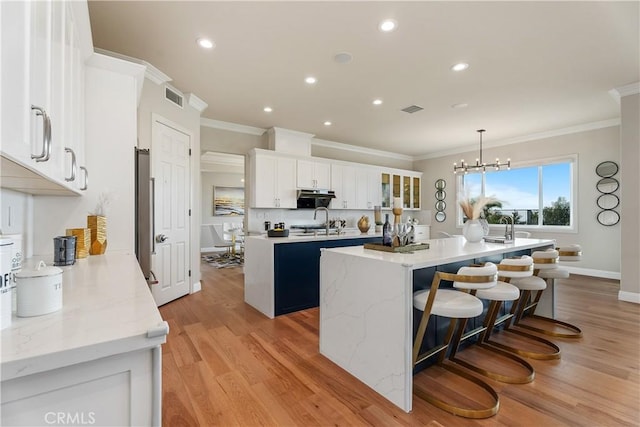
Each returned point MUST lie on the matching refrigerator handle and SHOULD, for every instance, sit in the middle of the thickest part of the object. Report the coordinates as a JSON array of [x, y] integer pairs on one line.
[[153, 215]]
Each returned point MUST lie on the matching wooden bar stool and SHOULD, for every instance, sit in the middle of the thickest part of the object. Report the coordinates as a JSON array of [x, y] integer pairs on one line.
[[545, 268], [454, 305], [518, 272], [496, 292]]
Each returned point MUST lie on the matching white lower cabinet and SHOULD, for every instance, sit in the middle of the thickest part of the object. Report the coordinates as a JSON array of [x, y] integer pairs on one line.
[[95, 361], [112, 391], [421, 233]]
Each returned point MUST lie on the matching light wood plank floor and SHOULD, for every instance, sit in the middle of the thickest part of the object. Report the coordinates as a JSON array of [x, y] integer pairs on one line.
[[226, 364]]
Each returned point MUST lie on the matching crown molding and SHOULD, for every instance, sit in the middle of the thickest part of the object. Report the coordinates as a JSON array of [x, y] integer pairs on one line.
[[626, 90], [360, 150], [196, 102], [233, 127], [151, 72], [531, 137]]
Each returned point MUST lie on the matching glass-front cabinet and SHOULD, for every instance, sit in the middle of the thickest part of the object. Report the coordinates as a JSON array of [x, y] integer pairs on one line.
[[386, 190], [405, 185], [415, 202], [406, 192]]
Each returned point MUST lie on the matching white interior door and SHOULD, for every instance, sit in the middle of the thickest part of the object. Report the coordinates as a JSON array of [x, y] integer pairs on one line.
[[171, 170]]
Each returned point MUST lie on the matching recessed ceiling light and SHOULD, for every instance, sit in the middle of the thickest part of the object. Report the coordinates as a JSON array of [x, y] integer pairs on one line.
[[310, 80], [388, 25], [377, 102], [458, 106], [461, 66], [267, 109], [206, 43], [327, 123]]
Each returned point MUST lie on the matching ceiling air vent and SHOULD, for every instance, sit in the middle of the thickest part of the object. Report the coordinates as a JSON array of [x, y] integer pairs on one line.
[[412, 109], [173, 96]]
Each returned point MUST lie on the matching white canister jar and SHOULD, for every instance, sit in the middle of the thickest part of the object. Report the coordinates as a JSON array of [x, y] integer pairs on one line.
[[16, 262], [39, 290], [6, 282]]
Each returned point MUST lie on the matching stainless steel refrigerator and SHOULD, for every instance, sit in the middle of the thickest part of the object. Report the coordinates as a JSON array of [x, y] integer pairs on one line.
[[144, 212]]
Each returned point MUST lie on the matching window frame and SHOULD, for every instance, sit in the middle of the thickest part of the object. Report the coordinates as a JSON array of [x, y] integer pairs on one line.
[[572, 159]]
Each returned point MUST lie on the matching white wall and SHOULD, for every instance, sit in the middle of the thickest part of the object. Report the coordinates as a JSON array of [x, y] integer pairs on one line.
[[630, 198], [110, 138], [16, 217], [592, 147], [218, 179]]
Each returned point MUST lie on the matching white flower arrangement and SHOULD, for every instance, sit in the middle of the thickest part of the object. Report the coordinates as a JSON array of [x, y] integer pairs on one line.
[[101, 206]]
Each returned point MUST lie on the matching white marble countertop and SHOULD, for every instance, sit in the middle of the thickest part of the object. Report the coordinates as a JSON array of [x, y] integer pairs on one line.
[[442, 251], [309, 237], [107, 309]]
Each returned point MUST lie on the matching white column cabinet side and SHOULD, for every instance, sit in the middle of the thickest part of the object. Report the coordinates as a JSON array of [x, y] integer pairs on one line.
[[274, 181], [362, 189], [313, 174]]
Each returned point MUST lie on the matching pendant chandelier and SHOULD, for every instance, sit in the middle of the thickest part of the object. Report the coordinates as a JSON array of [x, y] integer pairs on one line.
[[480, 166]]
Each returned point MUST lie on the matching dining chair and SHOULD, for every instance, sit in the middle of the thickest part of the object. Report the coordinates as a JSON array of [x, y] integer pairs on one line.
[[218, 241]]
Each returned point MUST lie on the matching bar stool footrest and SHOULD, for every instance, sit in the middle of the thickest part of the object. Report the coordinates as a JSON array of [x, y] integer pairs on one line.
[[552, 355], [456, 410], [576, 332], [524, 379]]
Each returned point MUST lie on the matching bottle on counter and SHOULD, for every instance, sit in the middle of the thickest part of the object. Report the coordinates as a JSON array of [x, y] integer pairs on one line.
[[387, 234]]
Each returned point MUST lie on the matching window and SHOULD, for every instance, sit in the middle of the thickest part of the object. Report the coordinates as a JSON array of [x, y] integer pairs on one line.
[[527, 191]]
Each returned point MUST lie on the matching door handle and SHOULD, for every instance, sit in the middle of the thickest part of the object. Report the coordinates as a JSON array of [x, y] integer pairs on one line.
[[161, 238]]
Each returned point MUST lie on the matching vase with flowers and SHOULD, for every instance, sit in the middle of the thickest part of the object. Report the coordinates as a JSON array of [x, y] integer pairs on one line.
[[472, 229]]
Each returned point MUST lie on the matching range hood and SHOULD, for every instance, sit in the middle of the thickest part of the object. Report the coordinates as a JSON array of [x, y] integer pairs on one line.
[[311, 199]]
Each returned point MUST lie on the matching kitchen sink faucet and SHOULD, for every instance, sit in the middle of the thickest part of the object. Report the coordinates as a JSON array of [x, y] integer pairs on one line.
[[509, 234], [326, 214]]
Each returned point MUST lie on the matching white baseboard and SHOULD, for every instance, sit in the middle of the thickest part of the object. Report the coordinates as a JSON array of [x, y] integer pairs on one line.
[[196, 287], [629, 296], [592, 272]]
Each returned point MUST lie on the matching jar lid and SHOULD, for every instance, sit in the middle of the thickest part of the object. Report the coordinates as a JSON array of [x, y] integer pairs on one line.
[[40, 271]]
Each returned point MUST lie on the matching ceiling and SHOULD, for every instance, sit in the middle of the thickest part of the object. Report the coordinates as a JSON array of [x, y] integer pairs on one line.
[[534, 66]]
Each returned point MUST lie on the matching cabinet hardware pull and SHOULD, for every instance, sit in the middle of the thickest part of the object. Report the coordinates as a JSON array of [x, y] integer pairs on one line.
[[86, 178], [46, 135], [74, 165]]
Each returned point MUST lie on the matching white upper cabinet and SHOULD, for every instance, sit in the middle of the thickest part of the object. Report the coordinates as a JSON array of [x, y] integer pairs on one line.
[[15, 49], [374, 188], [314, 174], [43, 93], [343, 182], [274, 181]]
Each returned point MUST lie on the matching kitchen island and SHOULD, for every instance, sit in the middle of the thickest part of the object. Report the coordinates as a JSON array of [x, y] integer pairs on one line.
[[366, 305], [95, 361], [281, 274]]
